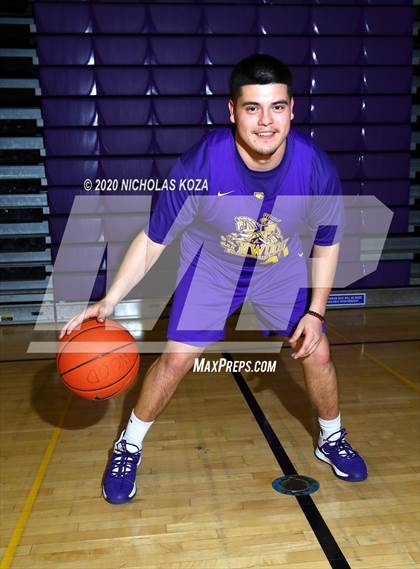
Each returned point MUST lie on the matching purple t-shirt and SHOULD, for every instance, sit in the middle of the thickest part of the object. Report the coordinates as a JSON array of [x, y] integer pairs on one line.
[[248, 235], [246, 214]]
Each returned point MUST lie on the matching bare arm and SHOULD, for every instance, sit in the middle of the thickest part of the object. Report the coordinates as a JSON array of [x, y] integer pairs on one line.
[[324, 266], [141, 255]]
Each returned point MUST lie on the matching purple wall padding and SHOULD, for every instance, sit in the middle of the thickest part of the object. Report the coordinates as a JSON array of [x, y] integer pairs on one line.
[[128, 86]]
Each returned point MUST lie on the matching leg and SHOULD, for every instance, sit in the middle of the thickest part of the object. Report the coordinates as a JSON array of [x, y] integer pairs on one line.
[[333, 448], [159, 385], [321, 380], [163, 377]]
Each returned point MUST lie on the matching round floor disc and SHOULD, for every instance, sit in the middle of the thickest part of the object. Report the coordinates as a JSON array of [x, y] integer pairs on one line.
[[295, 485]]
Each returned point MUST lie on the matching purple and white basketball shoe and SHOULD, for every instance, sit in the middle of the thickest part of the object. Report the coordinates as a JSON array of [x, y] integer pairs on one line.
[[119, 484], [346, 463]]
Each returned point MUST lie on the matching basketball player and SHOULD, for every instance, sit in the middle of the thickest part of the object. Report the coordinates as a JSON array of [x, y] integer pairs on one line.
[[245, 245]]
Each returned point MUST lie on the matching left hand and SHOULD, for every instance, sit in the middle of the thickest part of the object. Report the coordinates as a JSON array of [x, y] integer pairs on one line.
[[311, 328]]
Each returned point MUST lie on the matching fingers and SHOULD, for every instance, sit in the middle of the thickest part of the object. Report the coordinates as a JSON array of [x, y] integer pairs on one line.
[[104, 309], [76, 321], [101, 315], [297, 334], [73, 323], [308, 347], [309, 332], [303, 349], [99, 310]]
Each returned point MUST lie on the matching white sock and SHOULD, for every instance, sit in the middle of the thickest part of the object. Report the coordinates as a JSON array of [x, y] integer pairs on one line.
[[328, 428], [136, 430]]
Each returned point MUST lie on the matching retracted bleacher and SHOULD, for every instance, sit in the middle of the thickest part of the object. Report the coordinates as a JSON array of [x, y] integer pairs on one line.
[[126, 87]]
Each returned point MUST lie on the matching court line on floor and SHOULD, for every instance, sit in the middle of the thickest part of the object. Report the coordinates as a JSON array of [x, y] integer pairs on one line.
[[33, 492], [392, 371], [322, 532], [400, 376]]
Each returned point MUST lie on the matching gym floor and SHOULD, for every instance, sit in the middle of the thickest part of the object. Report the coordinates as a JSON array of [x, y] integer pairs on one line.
[[205, 498]]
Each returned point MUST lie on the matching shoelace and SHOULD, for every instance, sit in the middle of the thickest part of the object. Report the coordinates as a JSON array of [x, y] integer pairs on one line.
[[344, 448], [124, 462]]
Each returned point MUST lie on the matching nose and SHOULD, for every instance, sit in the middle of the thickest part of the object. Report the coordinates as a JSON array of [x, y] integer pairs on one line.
[[265, 117]]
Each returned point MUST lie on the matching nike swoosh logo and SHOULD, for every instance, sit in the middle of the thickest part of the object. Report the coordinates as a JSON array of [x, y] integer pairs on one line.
[[220, 194]]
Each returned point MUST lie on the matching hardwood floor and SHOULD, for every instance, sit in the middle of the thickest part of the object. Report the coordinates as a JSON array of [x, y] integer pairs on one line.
[[205, 499]]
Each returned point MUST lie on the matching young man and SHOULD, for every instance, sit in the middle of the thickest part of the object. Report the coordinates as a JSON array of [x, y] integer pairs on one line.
[[241, 241]]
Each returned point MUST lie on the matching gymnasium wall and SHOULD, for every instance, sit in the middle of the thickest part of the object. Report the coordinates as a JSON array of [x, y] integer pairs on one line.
[[128, 86]]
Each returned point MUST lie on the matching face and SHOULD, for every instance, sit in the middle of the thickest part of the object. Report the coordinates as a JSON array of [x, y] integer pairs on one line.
[[262, 115]]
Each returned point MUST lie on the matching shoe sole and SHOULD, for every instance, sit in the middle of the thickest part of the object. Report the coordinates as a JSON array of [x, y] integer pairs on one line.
[[321, 456]]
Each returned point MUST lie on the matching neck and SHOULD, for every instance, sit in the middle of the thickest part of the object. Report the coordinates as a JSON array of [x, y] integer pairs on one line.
[[256, 161]]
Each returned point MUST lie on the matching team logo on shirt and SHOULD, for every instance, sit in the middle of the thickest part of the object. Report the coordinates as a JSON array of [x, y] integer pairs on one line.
[[262, 239]]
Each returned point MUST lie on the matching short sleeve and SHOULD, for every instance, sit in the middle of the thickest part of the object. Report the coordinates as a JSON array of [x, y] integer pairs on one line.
[[326, 217], [174, 209]]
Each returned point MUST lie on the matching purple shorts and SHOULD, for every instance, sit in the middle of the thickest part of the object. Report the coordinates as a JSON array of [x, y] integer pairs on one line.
[[203, 302]]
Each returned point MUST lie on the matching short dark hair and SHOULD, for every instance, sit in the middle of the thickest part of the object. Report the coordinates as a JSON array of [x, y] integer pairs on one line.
[[259, 69]]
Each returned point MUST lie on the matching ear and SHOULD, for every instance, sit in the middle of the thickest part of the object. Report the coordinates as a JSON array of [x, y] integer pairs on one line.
[[231, 106], [292, 102]]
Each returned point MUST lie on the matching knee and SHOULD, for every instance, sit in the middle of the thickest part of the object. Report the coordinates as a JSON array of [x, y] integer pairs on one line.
[[176, 365], [321, 356]]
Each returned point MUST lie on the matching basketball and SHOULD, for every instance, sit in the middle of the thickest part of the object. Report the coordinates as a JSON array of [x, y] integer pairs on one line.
[[99, 360]]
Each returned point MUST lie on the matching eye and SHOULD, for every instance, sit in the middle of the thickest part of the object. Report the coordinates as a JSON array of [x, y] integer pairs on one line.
[[251, 108], [279, 108]]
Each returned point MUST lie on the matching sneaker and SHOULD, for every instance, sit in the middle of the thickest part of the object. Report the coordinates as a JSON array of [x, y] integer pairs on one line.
[[346, 463], [119, 484]]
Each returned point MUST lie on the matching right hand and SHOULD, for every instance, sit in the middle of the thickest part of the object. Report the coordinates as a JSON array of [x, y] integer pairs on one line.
[[100, 310]]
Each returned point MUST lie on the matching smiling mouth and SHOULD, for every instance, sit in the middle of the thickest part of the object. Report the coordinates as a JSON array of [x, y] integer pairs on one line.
[[265, 134]]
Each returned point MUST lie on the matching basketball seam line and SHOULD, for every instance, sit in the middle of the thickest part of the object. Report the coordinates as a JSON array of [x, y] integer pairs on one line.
[[115, 393], [82, 332], [110, 385], [99, 356]]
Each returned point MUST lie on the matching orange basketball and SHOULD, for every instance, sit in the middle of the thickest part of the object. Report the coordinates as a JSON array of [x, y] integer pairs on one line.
[[99, 360]]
